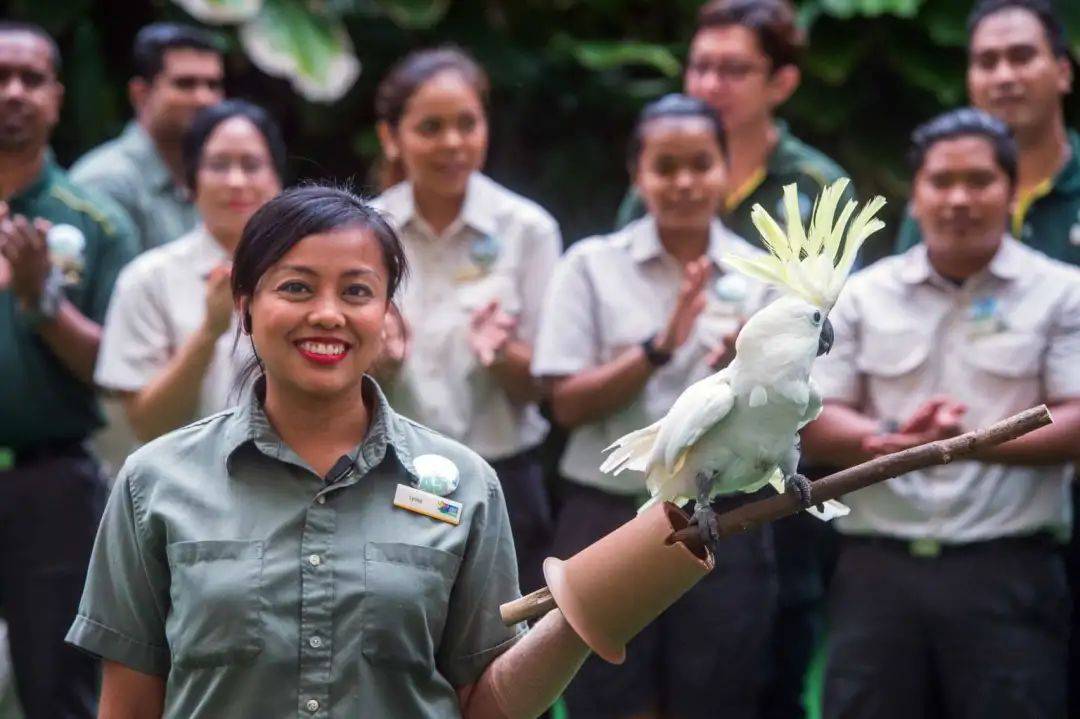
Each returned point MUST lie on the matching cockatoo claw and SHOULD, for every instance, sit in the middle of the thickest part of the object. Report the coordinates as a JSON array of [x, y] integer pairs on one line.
[[708, 524], [801, 486]]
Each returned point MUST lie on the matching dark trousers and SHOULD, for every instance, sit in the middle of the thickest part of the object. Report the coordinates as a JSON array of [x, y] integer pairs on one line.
[[706, 655], [528, 504], [1073, 560], [49, 512], [977, 632]]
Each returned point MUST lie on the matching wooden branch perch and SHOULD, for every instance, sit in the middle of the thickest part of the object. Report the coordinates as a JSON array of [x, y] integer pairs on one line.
[[834, 486]]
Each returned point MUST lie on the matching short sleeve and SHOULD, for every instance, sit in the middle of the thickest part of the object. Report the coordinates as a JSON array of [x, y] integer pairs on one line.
[[541, 255], [836, 373], [1063, 350], [488, 577], [568, 340], [125, 601], [135, 343]]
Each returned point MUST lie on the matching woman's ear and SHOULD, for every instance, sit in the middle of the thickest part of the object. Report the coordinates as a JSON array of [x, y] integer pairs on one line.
[[388, 141], [245, 315]]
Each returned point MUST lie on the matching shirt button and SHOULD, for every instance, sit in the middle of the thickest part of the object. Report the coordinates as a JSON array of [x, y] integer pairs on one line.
[[321, 499], [312, 706], [315, 642], [314, 560]]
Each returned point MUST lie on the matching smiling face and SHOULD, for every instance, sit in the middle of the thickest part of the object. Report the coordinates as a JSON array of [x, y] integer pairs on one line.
[[236, 176], [681, 172], [317, 314], [30, 94], [442, 136]]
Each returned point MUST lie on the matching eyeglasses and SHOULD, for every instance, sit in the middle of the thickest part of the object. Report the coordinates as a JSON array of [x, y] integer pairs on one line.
[[220, 165], [733, 71]]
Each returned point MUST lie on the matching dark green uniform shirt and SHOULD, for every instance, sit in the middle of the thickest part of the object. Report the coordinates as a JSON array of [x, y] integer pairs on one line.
[[261, 589], [1048, 218], [791, 161], [40, 400]]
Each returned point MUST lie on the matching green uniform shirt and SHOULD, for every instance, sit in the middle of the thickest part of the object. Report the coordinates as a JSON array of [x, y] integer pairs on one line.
[[264, 590], [131, 172], [1047, 219], [91, 240], [791, 161]]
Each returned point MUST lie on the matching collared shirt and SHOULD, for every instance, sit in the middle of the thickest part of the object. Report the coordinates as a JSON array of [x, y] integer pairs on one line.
[[1005, 340], [502, 247], [130, 170], [261, 589], [1047, 218], [611, 293], [158, 304], [91, 239], [792, 160]]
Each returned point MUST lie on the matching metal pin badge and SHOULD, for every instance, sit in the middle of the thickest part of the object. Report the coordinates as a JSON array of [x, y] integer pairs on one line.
[[436, 474]]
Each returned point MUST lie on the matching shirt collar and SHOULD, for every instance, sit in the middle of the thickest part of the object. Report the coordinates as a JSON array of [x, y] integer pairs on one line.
[[41, 184], [153, 168], [209, 252], [477, 211], [250, 425], [1068, 177], [645, 241], [1006, 264]]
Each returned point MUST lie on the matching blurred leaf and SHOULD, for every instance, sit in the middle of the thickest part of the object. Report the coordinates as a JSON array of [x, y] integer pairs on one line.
[[602, 55], [221, 12], [835, 56], [313, 51], [851, 8], [946, 22], [56, 16], [415, 14], [1070, 15]]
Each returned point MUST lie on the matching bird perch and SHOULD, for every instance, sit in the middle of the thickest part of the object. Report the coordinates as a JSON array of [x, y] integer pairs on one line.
[[834, 486]]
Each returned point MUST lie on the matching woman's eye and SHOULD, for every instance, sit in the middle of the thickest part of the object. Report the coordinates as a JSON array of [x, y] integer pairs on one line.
[[429, 126], [362, 291], [293, 288]]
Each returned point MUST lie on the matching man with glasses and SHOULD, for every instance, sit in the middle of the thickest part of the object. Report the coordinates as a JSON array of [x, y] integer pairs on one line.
[[178, 71], [61, 248], [743, 62]]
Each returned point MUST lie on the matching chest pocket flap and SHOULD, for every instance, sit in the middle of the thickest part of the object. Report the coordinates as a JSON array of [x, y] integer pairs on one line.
[[1009, 354], [407, 593], [892, 354], [217, 595]]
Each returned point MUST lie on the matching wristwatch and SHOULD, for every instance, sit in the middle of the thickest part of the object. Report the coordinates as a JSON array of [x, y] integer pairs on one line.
[[48, 305], [655, 357]]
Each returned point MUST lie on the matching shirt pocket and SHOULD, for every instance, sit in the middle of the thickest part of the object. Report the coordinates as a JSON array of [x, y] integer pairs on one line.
[[217, 602], [405, 603], [497, 284], [892, 355], [1007, 356]]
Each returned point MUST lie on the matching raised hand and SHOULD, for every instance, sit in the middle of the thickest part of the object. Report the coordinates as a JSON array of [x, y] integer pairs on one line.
[[489, 331], [688, 307], [219, 300]]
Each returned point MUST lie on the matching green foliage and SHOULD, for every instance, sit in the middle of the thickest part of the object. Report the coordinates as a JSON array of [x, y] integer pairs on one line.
[[568, 78]]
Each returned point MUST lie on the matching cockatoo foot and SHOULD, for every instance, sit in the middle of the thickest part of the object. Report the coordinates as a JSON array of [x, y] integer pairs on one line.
[[800, 485], [708, 524]]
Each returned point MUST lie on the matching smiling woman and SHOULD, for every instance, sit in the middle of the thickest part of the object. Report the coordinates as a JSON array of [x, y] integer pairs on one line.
[[295, 526]]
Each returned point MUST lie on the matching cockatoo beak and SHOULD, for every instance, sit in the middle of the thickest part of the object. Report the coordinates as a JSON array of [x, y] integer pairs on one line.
[[825, 340]]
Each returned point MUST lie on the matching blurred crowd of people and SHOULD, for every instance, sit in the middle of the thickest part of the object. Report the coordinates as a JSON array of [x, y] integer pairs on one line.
[[945, 592]]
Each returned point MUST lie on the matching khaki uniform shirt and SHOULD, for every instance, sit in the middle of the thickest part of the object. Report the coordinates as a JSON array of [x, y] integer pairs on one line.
[[611, 293], [1005, 340], [158, 304], [260, 589], [130, 171], [502, 247]]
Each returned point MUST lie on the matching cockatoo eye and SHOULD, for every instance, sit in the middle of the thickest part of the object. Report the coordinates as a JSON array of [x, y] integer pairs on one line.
[[817, 317]]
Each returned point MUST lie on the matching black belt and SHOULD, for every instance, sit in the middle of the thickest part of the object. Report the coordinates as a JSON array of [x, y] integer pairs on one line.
[[931, 548], [14, 457]]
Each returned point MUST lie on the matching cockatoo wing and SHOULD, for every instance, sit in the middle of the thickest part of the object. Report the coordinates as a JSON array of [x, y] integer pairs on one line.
[[813, 405], [697, 410], [632, 451]]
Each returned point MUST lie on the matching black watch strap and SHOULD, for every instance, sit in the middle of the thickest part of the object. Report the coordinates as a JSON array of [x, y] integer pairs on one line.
[[655, 357]]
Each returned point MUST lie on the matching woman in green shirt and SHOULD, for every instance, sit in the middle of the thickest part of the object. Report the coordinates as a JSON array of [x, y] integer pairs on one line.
[[259, 563]]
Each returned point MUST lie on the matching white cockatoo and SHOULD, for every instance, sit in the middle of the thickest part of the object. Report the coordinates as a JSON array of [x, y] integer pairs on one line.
[[737, 430]]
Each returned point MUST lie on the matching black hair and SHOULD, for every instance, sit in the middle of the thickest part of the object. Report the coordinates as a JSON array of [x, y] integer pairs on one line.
[[156, 39], [406, 77], [210, 117], [674, 105], [15, 26], [1041, 9], [960, 123], [300, 212], [773, 21]]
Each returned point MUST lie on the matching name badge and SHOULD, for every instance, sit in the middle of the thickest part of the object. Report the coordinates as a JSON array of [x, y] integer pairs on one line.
[[426, 503]]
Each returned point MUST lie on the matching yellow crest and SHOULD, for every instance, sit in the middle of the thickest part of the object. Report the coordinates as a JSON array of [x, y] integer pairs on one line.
[[811, 264]]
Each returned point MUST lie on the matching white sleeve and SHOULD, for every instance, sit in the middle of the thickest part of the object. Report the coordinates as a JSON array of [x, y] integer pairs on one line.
[[569, 338], [544, 245], [135, 343]]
